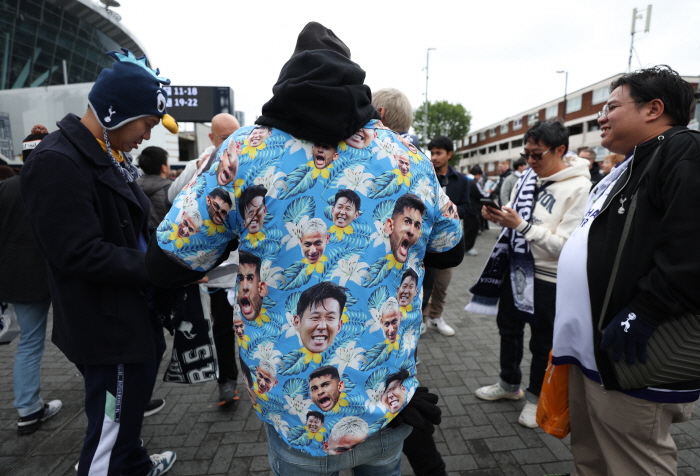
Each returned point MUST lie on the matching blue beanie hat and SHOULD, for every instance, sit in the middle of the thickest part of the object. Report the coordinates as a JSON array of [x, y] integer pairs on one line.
[[129, 91]]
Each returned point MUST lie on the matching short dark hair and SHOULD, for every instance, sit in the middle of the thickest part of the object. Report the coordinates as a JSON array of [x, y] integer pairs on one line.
[[260, 126], [660, 82], [316, 414], [245, 257], [350, 195], [317, 293], [476, 170], [330, 146], [248, 195], [408, 200], [551, 133], [410, 273], [400, 375], [325, 370], [519, 163], [222, 194], [151, 159], [441, 142]]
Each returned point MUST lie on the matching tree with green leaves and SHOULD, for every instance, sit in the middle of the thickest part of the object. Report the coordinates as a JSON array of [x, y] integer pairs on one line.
[[444, 119]]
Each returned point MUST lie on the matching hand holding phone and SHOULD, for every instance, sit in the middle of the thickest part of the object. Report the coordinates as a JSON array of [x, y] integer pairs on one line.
[[491, 203]]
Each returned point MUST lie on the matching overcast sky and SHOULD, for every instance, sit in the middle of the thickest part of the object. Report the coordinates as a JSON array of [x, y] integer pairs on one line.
[[497, 58]]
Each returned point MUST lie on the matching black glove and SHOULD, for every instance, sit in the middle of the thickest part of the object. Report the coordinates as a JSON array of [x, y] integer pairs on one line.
[[630, 333], [422, 412]]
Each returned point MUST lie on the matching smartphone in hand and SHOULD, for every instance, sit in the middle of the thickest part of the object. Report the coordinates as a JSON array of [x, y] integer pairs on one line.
[[491, 203]]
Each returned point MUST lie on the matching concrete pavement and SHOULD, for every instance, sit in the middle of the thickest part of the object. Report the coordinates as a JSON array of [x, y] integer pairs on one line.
[[475, 438]]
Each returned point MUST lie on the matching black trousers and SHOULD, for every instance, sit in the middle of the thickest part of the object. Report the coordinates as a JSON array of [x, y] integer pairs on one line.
[[423, 455], [471, 230], [224, 336], [512, 331], [115, 401]]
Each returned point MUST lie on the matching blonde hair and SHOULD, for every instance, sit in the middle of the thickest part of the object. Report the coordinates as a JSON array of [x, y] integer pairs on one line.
[[398, 114]]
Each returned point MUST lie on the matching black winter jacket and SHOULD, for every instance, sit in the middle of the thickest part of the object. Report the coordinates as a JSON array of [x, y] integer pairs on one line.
[[86, 220], [659, 269], [458, 191]]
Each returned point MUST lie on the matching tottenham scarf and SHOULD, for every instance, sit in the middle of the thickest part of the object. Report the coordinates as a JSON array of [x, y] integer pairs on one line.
[[511, 253]]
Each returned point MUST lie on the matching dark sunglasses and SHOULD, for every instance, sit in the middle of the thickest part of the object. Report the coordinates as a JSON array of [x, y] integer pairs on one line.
[[536, 156]]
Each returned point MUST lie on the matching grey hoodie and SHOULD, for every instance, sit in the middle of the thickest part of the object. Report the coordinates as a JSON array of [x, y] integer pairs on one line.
[[156, 189]]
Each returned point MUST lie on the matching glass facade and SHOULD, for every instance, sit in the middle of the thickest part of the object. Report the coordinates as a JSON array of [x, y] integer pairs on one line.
[[36, 37]]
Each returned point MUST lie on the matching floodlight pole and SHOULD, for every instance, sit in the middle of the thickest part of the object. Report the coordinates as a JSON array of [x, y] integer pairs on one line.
[[566, 87], [635, 17], [425, 105]]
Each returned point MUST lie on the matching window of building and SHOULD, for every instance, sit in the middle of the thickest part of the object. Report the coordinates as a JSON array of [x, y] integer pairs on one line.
[[492, 132], [517, 124], [473, 139], [492, 149], [473, 153], [482, 135], [576, 129], [593, 126], [532, 118], [482, 151], [503, 146], [552, 111], [504, 128], [600, 95], [516, 143], [573, 104]]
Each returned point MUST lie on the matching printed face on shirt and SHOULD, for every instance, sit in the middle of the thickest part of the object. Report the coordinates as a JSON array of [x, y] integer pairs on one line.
[[228, 166], [313, 245], [255, 212], [361, 139], [344, 212], [323, 155], [394, 396], [187, 226], [404, 230], [407, 143], [319, 324], [325, 391], [258, 136], [266, 381], [250, 291], [249, 388], [407, 291], [390, 325], [218, 210], [239, 327], [314, 424], [404, 165]]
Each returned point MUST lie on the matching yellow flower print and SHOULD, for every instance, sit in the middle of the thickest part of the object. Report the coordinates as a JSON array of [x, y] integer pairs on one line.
[[179, 242], [318, 267], [309, 356], [260, 395], [324, 172], [252, 151], [341, 402], [342, 146], [393, 262], [213, 227], [415, 156], [390, 416], [318, 436], [262, 317], [255, 238], [258, 408], [406, 309], [243, 342], [391, 346], [340, 232], [344, 317], [237, 186], [401, 178]]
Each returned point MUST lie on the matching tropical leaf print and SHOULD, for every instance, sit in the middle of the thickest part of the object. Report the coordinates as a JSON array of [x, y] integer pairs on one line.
[[383, 211], [377, 355], [296, 386], [378, 297], [294, 363], [376, 379], [296, 276], [351, 405], [378, 271], [299, 181], [303, 206], [298, 436], [386, 185]]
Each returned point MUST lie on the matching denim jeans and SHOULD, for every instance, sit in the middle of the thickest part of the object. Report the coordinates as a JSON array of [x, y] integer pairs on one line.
[[31, 317], [512, 331], [378, 455]]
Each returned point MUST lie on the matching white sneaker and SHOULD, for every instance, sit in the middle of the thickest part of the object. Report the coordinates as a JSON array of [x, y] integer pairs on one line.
[[441, 326], [162, 463], [472, 252], [496, 392], [423, 328], [528, 417]]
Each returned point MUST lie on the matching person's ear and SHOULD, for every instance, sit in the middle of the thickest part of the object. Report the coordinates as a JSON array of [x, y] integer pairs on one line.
[[559, 151], [297, 321], [381, 112], [263, 288], [328, 237], [655, 109], [164, 169], [389, 226], [449, 155], [341, 386]]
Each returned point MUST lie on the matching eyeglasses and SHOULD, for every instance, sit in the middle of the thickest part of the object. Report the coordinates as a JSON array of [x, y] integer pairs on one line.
[[221, 138], [609, 107], [534, 155]]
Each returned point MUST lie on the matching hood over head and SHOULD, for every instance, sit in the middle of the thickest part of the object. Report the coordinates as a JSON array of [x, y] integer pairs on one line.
[[320, 95]]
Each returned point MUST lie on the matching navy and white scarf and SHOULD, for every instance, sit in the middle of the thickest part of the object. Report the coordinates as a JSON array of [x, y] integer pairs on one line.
[[511, 252]]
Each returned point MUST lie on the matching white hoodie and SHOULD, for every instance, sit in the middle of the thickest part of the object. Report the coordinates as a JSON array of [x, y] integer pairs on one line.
[[559, 209]]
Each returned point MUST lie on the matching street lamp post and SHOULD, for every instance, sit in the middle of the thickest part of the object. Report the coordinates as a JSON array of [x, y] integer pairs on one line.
[[566, 85], [425, 105]]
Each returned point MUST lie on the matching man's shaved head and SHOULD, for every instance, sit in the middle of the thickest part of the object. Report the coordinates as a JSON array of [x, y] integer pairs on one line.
[[222, 126]]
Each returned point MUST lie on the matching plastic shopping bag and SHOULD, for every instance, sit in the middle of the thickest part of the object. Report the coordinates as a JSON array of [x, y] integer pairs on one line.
[[553, 407], [9, 327]]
